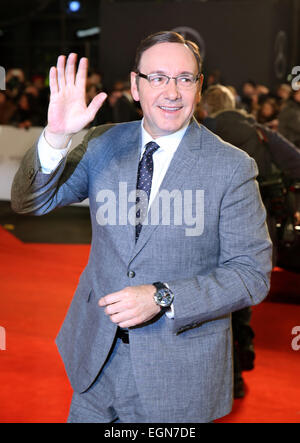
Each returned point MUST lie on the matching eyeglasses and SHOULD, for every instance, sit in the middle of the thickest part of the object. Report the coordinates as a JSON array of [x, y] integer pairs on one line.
[[182, 81]]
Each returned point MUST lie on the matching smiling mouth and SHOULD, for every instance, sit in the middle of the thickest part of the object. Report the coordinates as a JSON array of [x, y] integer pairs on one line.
[[170, 108]]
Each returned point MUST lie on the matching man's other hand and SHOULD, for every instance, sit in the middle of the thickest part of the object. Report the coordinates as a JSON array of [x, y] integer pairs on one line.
[[132, 306]]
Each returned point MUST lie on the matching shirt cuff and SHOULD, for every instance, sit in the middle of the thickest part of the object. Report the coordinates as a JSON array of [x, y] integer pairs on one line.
[[169, 312], [50, 157]]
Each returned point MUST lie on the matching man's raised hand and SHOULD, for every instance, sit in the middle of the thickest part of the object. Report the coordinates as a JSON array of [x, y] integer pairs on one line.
[[68, 112]]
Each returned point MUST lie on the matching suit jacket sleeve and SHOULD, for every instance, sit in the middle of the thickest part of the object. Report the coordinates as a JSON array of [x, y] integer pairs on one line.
[[243, 274], [34, 192]]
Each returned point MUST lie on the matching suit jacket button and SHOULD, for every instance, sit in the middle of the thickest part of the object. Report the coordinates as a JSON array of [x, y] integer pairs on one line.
[[31, 173], [131, 274]]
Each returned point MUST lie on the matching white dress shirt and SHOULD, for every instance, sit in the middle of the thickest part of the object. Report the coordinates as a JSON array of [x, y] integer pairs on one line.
[[168, 145]]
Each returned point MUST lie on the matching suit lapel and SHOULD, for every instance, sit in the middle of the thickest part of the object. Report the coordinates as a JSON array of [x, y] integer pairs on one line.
[[177, 173], [130, 177], [125, 170]]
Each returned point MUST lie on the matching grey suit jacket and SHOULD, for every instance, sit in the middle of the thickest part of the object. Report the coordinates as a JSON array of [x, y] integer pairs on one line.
[[182, 366]]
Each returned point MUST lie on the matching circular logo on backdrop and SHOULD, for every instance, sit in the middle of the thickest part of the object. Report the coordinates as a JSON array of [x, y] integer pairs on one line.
[[191, 34], [280, 63]]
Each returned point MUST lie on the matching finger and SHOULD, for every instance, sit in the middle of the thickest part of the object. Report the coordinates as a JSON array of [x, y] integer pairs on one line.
[[53, 83], [70, 69], [109, 299], [96, 104], [114, 308], [61, 61], [128, 324], [134, 321], [81, 75], [124, 317]]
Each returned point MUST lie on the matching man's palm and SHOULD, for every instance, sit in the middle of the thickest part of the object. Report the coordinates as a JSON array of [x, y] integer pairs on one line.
[[68, 112]]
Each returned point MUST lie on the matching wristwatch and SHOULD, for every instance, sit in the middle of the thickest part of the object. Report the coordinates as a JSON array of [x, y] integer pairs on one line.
[[163, 295]]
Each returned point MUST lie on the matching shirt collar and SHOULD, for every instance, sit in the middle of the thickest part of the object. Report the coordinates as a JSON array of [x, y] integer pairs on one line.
[[167, 142]]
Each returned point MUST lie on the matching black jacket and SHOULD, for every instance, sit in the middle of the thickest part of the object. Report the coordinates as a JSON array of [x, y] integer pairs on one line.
[[269, 149]]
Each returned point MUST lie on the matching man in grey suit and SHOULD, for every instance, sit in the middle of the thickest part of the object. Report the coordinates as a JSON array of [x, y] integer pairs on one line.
[[147, 337]]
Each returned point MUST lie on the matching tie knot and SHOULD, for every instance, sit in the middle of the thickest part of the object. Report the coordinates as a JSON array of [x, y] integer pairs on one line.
[[150, 148]]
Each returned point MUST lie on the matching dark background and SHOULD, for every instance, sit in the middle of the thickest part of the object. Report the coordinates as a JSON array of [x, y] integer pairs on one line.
[[239, 35]]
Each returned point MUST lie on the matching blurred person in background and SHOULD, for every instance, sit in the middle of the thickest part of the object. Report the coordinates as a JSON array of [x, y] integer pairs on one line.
[[106, 114], [274, 156], [248, 96], [289, 118], [27, 113], [125, 108], [7, 108], [283, 93], [236, 96], [94, 78], [267, 113], [38, 81], [15, 82]]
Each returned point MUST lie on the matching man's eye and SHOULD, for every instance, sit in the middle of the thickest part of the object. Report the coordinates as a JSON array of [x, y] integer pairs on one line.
[[185, 80], [157, 79]]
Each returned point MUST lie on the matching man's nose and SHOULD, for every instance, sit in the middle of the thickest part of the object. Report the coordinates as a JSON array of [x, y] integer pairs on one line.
[[171, 89]]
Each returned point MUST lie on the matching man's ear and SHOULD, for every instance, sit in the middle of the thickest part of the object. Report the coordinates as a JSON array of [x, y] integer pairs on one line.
[[134, 86], [200, 88]]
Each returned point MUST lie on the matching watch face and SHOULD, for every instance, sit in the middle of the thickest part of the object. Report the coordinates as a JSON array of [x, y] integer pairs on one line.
[[164, 297]]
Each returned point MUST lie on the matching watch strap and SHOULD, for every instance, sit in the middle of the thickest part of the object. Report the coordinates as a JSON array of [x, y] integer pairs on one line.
[[159, 285]]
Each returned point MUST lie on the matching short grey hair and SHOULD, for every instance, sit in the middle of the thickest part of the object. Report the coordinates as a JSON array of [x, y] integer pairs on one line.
[[166, 37], [217, 98]]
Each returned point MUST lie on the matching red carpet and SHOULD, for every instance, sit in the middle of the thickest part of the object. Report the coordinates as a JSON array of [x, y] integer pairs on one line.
[[37, 282]]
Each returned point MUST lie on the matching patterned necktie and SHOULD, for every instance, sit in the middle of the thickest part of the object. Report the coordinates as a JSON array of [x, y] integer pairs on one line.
[[144, 182]]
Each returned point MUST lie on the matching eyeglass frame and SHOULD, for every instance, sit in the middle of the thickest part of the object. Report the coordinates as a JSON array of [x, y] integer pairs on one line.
[[146, 76]]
